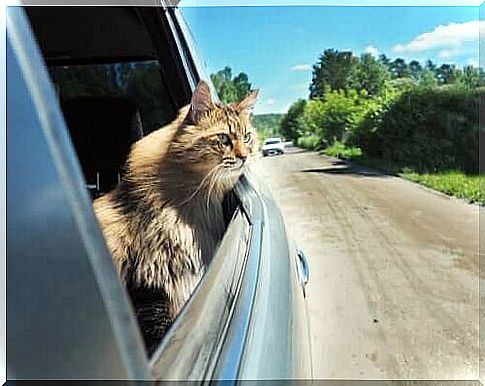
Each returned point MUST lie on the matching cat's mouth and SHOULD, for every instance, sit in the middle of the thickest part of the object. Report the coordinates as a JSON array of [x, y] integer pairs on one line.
[[234, 164]]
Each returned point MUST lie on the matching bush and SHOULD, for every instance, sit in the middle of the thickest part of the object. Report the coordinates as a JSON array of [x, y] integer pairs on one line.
[[430, 129], [340, 150], [310, 142]]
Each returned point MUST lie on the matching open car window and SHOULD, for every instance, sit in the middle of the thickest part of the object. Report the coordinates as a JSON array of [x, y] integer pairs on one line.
[[107, 108], [92, 93]]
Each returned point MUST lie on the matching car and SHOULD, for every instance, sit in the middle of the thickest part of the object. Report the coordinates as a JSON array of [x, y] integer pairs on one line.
[[72, 115], [273, 146]]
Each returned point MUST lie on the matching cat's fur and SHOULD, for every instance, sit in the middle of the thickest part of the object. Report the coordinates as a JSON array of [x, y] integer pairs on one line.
[[164, 220]]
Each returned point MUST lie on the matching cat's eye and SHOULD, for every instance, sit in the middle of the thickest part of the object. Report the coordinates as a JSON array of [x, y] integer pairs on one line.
[[224, 139], [247, 137]]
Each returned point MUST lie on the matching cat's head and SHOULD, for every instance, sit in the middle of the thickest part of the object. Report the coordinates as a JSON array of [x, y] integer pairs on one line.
[[217, 139]]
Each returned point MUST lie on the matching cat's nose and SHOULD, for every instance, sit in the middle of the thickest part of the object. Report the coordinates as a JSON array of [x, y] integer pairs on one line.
[[242, 155], [241, 152]]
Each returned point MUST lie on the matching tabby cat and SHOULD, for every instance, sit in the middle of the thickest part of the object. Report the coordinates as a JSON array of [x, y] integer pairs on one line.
[[164, 220]]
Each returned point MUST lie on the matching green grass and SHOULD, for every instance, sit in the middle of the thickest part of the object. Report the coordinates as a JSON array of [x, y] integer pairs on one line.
[[452, 183]]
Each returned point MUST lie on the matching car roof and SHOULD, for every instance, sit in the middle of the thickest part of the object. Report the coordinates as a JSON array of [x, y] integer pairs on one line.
[[273, 139]]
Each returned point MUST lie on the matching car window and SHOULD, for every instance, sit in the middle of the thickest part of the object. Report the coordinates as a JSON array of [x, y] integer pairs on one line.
[[139, 82], [272, 142]]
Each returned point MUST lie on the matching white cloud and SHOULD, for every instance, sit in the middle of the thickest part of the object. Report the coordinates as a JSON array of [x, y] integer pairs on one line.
[[444, 54], [473, 62], [371, 50], [452, 36], [270, 101], [301, 67]]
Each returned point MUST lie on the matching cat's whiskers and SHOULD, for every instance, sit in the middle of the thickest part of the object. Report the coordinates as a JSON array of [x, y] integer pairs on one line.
[[199, 187], [212, 182]]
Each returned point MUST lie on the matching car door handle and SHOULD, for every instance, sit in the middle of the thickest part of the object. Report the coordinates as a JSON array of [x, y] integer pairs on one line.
[[304, 270]]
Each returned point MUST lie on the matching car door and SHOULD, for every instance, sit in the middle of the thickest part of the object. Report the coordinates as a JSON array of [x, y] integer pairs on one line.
[[69, 317]]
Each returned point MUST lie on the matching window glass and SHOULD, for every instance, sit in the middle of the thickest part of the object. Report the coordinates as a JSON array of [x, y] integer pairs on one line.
[[140, 82], [272, 142]]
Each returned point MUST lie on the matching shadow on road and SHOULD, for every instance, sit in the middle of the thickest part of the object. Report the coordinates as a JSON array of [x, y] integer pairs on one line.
[[295, 150], [346, 170]]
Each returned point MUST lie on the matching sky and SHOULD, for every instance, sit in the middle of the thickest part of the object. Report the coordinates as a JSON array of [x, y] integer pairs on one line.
[[277, 45]]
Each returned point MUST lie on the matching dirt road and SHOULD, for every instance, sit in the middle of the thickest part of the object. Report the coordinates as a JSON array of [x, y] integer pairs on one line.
[[393, 289]]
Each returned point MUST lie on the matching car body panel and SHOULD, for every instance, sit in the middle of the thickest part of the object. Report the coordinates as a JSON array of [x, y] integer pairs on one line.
[[67, 314], [69, 317], [279, 313]]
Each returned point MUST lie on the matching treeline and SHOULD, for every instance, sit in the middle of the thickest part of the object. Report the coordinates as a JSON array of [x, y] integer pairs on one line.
[[420, 116], [267, 125]]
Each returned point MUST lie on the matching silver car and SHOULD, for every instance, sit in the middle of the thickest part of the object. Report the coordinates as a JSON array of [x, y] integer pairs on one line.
[[72, 114], [273, 146]]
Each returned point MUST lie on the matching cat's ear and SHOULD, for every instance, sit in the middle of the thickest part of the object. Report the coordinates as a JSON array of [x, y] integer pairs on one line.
[[201, 101], [248, 103]]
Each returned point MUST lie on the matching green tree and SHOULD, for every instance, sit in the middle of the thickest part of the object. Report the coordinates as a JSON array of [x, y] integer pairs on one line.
[[228, 88], [333, 71], [415, 69], [333, 117], [471, 77], [427, 78], [370, 75], [385, 61], [430, 65], [290, 124], [448, 74], [400, 68]]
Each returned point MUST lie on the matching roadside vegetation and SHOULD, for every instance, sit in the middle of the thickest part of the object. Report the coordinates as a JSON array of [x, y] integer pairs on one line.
[[416, 121], [453, 183]]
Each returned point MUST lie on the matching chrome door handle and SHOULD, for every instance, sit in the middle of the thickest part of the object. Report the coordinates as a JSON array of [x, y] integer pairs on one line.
[[304, 270]]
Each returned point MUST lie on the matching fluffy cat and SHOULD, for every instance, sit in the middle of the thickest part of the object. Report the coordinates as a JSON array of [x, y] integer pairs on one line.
[[164, 220]]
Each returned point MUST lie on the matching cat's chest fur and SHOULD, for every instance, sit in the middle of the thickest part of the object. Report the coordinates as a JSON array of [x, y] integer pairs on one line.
[[162, 247]]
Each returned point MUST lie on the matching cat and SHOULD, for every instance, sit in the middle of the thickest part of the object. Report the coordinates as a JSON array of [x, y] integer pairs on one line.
[[164, 220]]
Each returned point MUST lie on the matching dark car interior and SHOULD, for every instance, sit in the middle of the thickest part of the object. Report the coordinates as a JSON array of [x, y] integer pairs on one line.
[[119, 75], [113, 85]]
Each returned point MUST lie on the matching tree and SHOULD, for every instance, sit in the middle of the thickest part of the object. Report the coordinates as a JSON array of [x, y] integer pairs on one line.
[[430, 66], [333, 71], [427, 78], [289, 126], [448, 74], [228, 88], [385, 61], [242, 86], [415, 69], [333, 117], [370, 75], [400, 68], [471, 77]]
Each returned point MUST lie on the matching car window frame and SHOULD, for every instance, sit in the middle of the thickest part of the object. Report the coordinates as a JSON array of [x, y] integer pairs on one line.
[[108, 294], [232, 319]]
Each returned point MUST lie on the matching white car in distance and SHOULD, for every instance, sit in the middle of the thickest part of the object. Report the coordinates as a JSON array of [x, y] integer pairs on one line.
[[273, 146]]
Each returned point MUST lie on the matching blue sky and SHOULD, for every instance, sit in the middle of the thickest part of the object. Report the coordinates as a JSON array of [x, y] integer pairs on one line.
[[276, 45]]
